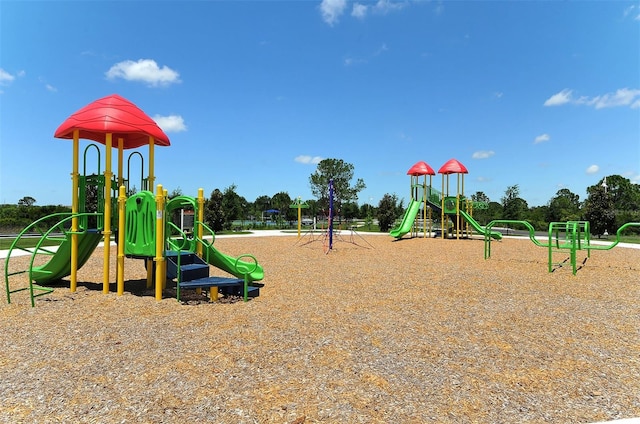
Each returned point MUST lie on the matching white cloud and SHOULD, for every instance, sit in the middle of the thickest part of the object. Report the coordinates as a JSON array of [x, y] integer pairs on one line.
[[359, 11], [541, 138], [171, 123], [634, 11], [559, 98], [386, 6], [5, 77], [50, 88], [621, 97], [483, 154], [144, 70], [331, 10], [381, 7], [306, 159], [592, 169]]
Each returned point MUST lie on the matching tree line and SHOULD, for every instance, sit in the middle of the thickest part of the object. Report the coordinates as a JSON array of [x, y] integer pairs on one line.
[[610, 203]]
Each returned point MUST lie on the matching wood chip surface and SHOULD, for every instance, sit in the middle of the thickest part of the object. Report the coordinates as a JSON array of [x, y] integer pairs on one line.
[[377, 331]]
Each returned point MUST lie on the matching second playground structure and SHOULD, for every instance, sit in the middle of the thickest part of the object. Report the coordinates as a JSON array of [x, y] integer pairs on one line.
[[445, 206], [145, 223]]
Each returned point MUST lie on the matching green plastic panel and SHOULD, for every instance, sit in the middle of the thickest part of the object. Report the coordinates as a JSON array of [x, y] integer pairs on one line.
[[140, 228]]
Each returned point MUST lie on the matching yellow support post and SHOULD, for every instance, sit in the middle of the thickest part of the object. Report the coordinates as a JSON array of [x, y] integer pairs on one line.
[[152, 177], [120, 164], [108, 175], [122, 198], [74, 209], [159, 259], [200, 229]]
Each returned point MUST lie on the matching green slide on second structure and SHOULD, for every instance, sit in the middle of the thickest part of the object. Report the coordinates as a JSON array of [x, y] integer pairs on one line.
[[59, 266], [407, 221], [478, 228], [237, 268]]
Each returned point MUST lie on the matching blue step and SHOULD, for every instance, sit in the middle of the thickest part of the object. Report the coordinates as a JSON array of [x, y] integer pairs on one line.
[[202, 283], [192, 267]]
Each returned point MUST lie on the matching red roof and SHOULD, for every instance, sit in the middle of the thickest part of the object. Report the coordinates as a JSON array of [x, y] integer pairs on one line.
[[118, 116], [453, 167], [421, 168]]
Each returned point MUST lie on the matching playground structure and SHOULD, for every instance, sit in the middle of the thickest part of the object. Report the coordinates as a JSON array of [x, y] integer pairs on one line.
[[447, 207], [145, 229], [570, 236], [327, 235]]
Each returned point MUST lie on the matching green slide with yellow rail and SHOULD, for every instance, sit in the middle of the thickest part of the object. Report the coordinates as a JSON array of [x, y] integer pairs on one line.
[[407, 221], [479, 228], [59, 266], [234, 266]]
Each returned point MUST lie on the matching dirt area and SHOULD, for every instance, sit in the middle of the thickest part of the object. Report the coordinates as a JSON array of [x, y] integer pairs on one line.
[[375, 331]]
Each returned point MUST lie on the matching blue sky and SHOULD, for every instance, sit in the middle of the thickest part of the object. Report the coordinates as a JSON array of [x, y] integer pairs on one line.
[[545, 95]]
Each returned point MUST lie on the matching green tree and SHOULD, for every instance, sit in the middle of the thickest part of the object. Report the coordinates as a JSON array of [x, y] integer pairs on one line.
[[564, 206], [213, 211], [174, 193], [27, 201], [260, 205], [388, 210], [349, 211], [282, 201], [538, 217], [481, 214], [599, 210], [341, 173], [513, 206], [233, 206]]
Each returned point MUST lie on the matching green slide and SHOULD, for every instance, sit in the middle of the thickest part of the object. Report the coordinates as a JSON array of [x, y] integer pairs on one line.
[[478, 228], [407, 221], [59, 266], [233, 265]]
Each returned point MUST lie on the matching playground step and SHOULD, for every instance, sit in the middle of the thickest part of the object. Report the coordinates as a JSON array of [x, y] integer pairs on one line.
[[211, 282], [192, 267]]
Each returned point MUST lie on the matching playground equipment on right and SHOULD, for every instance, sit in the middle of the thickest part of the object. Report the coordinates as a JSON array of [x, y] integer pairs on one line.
[[448, 208], [570, 236]]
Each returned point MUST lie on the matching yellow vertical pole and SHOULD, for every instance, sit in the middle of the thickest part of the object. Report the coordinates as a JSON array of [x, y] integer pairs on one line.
[[299, 218], [120, 164], [74, 210], [152, 177], [108, 175], [159, 259], [122, 198], [200, 229]]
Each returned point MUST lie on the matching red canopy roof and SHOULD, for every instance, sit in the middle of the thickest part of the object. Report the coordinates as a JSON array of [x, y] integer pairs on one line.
[[453, 167], [421, 168], [118, 116]]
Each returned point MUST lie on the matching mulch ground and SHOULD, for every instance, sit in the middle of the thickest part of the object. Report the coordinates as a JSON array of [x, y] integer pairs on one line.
[[413, 331]]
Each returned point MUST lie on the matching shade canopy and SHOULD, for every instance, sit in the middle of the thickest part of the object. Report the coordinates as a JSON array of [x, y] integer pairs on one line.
[[118, 116], [421, 168], [453, 166]]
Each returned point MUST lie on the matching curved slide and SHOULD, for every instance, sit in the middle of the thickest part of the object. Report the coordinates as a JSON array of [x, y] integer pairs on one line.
[[232, 265], [407, 221], [59, 266], [478, 228]]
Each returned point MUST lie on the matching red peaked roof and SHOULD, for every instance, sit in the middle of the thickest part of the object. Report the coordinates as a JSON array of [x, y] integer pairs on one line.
[[118, 116], [453, 167], [421, 168]]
